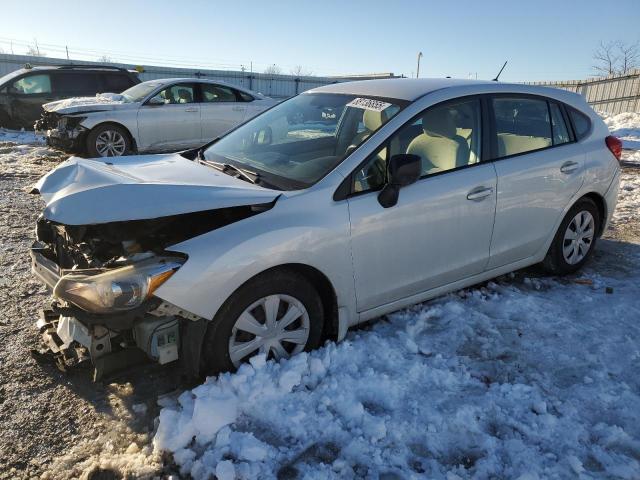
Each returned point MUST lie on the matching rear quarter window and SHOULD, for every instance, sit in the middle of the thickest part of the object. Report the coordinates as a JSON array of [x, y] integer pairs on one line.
[[581, 123]]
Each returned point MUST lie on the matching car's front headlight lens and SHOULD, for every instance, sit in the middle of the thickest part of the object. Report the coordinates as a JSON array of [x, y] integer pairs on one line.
[[115, 290]]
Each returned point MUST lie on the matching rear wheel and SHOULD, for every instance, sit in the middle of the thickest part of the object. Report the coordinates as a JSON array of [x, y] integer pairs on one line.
[[575, 240], [278, 314], [108, 141]]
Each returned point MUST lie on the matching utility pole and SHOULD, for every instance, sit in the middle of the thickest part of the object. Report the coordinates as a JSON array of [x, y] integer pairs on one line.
[[67, 49], [418, 69]]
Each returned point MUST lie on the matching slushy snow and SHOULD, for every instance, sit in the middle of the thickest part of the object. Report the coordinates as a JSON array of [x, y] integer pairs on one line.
[[524, 377]]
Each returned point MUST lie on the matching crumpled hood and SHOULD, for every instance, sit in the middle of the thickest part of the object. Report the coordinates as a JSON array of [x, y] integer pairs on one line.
[[100, 103], [93, 191]]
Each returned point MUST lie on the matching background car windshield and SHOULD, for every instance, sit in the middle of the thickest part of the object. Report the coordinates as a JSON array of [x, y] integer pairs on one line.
[[301, 140], [139, 92]]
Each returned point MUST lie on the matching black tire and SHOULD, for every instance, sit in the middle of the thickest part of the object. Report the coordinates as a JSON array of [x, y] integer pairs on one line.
[[555, 262], [92, 150], [215, 356]]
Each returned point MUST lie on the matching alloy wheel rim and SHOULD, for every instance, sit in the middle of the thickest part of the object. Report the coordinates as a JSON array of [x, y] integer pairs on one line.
[[276, 325], [578, 237], [110, 143]]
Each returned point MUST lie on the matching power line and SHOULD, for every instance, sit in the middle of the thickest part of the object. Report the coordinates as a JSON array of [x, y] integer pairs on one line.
[[138, 58]]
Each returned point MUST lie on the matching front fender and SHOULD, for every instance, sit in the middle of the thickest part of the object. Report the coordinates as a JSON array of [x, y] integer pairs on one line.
[[127, 118], [308, 229]]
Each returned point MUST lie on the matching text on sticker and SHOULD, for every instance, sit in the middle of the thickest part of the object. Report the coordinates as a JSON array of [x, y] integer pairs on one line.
[[368, 104]]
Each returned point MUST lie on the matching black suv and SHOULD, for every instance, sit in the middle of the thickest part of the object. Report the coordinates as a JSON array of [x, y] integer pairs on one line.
[[23, 92]]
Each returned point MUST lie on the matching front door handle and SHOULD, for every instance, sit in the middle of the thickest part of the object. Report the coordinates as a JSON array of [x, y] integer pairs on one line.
[[237, 109], [479, 193], [569, 167], [192, 109]]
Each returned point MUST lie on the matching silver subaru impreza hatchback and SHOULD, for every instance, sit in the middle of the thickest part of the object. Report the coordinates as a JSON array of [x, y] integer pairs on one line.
[[334, 207]]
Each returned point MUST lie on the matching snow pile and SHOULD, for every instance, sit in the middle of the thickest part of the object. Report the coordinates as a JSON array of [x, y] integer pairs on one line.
[[20, 136], [99, 99], [625, 126], [530, 379], [628, 208]]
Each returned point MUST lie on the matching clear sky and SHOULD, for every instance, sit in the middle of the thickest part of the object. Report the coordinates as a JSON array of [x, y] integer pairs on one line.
[[542, 39]]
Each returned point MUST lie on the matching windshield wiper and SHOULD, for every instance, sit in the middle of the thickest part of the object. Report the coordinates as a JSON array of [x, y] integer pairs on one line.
[[248, 175]]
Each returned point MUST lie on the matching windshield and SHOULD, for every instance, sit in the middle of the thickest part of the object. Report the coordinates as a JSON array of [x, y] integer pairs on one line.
[[296, 143], [139, 92]]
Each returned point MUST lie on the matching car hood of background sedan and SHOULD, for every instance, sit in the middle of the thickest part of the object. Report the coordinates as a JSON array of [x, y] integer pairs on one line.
[[100, 103], [94, 191]]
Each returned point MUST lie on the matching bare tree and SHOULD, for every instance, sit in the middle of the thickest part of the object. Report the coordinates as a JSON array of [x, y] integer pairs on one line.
[[629, 57], [605, 58], [273, 70], [104, 59], [1, 50], [300, 71]]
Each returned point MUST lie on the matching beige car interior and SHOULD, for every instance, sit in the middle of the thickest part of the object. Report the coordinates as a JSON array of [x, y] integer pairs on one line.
[[444, 138], [441, 145], [511, 144]]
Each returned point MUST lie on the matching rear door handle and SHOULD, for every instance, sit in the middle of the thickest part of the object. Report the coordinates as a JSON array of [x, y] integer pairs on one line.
[[479, 193], [192, 109], [568, 167], [237, 109]]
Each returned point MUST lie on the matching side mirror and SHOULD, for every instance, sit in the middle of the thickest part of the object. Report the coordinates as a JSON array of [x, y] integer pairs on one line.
[[155, 101], [404, 169]]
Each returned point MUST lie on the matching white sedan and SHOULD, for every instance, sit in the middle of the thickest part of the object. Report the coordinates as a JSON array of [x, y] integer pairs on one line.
[[154, 116]]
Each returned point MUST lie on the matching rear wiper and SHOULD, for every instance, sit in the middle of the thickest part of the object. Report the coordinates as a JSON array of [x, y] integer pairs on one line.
[[248, 175]]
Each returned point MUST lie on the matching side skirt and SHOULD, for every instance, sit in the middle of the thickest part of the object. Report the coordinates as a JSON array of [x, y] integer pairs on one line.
[[450, 287]]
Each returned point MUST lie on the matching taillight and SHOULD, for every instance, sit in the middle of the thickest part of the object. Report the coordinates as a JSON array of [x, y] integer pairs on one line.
[[615, 145]]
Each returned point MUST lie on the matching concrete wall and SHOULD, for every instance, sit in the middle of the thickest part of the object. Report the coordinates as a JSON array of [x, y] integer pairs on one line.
[[277, 86]]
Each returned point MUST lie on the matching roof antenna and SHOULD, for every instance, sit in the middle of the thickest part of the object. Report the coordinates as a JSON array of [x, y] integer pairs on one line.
[[498, 75]]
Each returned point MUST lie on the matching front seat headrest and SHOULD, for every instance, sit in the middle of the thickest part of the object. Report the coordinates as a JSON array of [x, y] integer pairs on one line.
[[373, 120], [439, 122]]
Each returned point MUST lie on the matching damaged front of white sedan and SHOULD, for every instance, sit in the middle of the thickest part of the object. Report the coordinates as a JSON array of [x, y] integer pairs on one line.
[[334, 207]]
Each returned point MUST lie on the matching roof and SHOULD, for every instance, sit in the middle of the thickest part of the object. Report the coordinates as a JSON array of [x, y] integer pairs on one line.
[[400, 88], [411, 89]]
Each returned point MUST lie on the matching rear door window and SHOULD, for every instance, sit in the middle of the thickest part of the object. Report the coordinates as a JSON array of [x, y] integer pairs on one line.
[[32, 84], [522, 125], [115, 83], [212, 93], [76, 82]]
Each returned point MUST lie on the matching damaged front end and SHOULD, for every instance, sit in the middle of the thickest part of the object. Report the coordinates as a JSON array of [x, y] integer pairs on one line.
[[63, 131], [103, 278]]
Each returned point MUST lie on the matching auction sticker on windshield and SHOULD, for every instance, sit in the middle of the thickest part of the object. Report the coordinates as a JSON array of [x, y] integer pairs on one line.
[[368, 104]]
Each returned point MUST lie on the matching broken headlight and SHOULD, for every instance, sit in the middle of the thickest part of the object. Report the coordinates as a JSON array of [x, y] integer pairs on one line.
[[115, 290]]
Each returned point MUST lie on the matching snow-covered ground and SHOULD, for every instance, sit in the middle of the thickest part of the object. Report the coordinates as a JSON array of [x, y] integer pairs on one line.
[[524, 377], [21, 137]]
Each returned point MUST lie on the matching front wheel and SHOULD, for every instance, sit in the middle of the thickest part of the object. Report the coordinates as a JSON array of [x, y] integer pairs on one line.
[[575, 240], [108, 141], [278, 314]]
